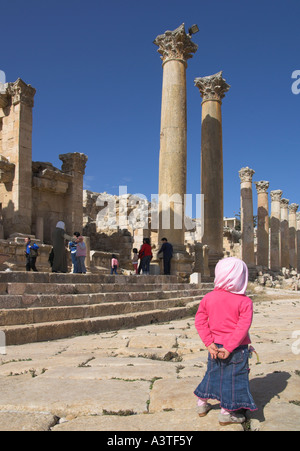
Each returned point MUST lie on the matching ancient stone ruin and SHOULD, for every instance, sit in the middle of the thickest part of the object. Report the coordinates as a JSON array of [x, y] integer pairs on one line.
[[35, 195]]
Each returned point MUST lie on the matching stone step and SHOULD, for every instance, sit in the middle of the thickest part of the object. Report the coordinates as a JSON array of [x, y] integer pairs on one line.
[[21, 334], [46, 277], [48, 306], [8, 302], [20, 288], [14, 317]]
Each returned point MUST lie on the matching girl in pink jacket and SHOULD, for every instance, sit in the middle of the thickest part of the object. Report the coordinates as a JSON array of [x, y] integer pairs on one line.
[[223, 321]]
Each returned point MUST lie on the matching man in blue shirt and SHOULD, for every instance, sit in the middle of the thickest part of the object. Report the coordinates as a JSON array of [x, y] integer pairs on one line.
[[167, 250], [31, 254]]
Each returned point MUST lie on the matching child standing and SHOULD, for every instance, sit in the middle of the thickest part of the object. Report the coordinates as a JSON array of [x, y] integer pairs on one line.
[[114, 264], [72, 249], [223, 321], [135, 260], [80, 255]]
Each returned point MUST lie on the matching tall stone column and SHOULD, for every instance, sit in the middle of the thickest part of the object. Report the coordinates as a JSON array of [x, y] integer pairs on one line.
[[262, 223], [292, 234], [298, 241], [275, 230], [247, 226], [74, 164], [284, 234], [212, 90], [175, 47], [16, 163]]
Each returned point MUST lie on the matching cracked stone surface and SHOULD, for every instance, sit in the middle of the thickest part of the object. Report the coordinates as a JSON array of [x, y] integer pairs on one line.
[[143, 379]]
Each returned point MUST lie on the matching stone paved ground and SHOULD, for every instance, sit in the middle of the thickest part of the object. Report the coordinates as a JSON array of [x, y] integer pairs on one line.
[[143, 379]]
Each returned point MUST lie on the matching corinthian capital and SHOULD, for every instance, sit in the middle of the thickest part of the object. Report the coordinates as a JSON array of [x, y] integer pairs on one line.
[[212, 87], [20, 92], [262, 186], [276, 195], [246, 174], [73, 162], [175, 45], [284, 203], [293, 208]]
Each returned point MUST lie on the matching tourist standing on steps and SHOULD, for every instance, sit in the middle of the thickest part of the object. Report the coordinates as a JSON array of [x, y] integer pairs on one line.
[[223, 321], [114, 264], [167, 251], [80, 255], [135, 260], [145, 255], [31, 253], [73, 249], [60, 263]]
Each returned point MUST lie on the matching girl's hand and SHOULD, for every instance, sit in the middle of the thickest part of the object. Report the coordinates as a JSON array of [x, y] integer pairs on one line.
[[213, 350], [223, 353]]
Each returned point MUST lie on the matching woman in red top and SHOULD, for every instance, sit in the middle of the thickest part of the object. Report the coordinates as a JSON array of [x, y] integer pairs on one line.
[[145, 255]]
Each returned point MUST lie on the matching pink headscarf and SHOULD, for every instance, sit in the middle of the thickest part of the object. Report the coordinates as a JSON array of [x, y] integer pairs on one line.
[[231, 274]]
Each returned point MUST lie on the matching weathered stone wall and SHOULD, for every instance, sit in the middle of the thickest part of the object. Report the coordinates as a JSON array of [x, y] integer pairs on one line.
[[12, 256], [34, 196]]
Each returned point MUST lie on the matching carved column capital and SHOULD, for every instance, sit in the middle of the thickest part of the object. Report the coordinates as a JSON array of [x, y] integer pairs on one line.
[[175, 45], [212, 87], [293, 208], [246, 174], [262, 186], [20, 92], [284, 203], [73, 162], [276, 195]]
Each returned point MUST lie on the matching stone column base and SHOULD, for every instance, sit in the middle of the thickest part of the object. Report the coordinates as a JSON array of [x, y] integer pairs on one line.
[[213, 259], [181, 263]]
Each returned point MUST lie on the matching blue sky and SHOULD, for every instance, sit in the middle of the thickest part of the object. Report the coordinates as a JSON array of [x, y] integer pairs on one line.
[[99, 77]]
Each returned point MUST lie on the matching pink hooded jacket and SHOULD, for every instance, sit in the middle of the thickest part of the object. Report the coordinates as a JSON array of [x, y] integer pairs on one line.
[[225, 314]]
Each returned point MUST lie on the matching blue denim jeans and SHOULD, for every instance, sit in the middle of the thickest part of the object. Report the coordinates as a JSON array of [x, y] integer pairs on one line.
[[146, 264], [114, 269], [228, 381], [74, 261]]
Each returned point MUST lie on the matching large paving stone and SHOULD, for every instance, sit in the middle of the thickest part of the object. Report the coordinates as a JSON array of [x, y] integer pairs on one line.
[[183, 420], [22, 421], [93, 381], [64, 397]]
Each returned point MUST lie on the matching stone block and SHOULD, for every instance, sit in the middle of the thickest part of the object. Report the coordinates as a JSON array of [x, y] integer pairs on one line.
[[195, 278]]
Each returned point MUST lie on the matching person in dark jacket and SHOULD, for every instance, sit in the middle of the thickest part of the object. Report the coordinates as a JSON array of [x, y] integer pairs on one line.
[[167, 250], [31, 253]]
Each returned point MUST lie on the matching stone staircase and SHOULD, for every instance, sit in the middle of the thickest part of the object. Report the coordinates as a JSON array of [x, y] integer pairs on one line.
[[47, 306]]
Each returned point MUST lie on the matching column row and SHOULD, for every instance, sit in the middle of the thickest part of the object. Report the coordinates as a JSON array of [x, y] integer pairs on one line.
[[278, 235]]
